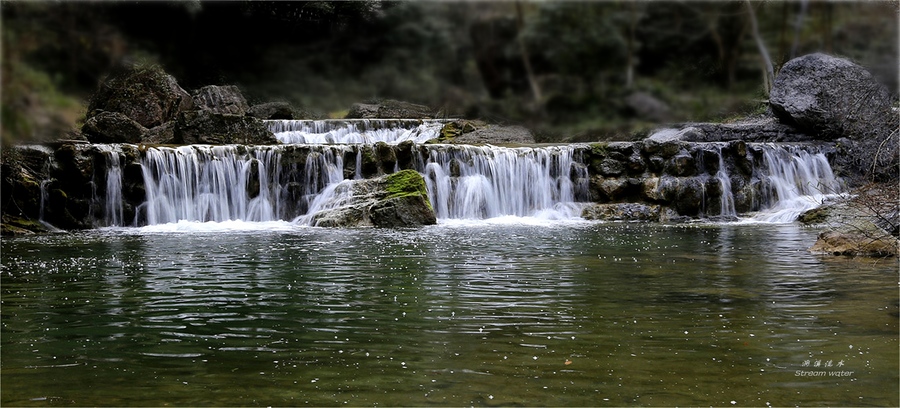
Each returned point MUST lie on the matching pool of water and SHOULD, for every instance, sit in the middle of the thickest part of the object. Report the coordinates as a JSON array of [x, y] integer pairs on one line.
[[548, 314]]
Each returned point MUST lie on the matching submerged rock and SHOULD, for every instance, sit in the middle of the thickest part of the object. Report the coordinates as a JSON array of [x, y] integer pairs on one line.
[[393, 201]]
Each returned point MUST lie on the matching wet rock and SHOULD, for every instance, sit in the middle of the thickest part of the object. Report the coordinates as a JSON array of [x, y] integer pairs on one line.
[[682, 164], [225, 99], [146, 95], [397, 200], [206, 127], [622, 212], [113, 127]]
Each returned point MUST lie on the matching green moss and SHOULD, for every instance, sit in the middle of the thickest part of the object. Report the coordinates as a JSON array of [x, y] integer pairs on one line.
[[599, 149], [406, 183]]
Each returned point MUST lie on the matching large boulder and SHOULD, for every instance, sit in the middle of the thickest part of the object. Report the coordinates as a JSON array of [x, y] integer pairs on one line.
[[206, 127], [829, 97], [112, 127], [146, 95], [392, 201], [226, 99]]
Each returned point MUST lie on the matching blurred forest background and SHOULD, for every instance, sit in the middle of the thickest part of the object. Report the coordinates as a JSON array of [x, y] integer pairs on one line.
[[571, 71]]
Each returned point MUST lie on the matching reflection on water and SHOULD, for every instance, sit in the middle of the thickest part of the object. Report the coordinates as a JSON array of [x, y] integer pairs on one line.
[[565, 314]]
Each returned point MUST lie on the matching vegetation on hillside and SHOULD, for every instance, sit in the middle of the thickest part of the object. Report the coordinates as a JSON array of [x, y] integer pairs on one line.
[[572, 71]]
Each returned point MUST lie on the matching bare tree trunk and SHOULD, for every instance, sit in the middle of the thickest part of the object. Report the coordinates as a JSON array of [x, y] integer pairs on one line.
[[768, 70], [526, 60]]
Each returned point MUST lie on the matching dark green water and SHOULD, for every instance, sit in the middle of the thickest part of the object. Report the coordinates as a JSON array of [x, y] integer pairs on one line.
[[573, 314]]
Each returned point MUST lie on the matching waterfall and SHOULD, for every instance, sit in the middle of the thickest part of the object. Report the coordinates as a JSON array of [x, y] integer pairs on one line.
[[209, 183], [470, 182], [794, 180], [111, 203], [726, 199], [359, 131]]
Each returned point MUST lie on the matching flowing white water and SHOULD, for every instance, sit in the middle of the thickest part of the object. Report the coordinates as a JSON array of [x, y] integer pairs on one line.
[[209, 183], [469, 182], [794, 181], [359, 131], [204, 184], [111, 203], [726, 200]]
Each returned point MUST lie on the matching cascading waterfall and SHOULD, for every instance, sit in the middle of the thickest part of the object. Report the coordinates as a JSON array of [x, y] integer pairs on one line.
[[111, 203], [795, 181], [726, 200], [470, 182], [360, 131], [293, 182], [209, 183]]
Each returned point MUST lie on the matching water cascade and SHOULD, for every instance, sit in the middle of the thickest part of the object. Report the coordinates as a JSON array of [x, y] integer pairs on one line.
[[795, 180], [726, 201], [469, 182], [361, 131], [111, 202], [293, 181], [220, 183]]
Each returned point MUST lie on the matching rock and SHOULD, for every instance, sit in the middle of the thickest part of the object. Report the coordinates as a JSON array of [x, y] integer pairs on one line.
[[667, 142], [272, 110], [396, 200], [764, 129], [854, 243], [146, 95], [493, 134], [225, 99], [390, 109], [363, 111], [621, 212], [206, 127], [113, 127], [646, 106], [830, 97], [162, 134], [682, 164]]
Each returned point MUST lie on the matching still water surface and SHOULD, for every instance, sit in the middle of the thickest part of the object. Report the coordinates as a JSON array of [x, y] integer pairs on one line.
[[577, 314]]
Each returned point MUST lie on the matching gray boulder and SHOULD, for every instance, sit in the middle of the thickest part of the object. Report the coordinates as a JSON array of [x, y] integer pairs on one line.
[[830, 97], [225, 99], [206, 127], [112, 127], [393, 201], [146, 95], [363, 111]]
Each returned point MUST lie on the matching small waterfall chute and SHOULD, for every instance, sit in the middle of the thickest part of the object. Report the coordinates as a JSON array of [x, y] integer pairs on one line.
[[794, 180]]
